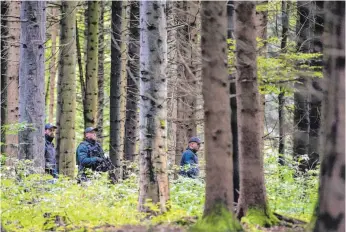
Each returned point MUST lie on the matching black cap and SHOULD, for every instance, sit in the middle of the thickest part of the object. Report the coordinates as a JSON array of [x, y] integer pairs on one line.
[[49, 126], [90, 129]]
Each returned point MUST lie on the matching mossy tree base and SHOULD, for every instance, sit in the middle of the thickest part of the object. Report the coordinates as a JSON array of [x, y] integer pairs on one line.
[[220, 220], [260, 217]]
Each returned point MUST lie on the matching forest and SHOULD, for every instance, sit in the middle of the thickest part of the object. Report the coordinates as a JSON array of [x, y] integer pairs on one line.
[[172, 116]]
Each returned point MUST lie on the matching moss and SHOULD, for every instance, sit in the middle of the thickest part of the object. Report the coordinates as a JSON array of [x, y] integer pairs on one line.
[[162, 123], [219, 221], [259, 217]]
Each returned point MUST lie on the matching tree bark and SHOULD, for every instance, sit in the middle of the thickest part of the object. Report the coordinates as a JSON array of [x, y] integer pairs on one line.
[[301, 95], [66, 107], [12, 75], [261, 33], [331, 211], [91, 90], [233, 105], [281, 97], [153, 184], [100, 81], [4, 33], [316, 100], [52, 82], [115, 86], [132, 82], [217, 132], [31, 82], [252, 188]]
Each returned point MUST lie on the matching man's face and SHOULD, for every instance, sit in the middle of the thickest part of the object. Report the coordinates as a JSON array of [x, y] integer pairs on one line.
[[195, 146], [50, 132], [91, 135]]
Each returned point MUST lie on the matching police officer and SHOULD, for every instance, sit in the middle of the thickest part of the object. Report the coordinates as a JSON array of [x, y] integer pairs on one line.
[[189, 159], [50, 154], [89, 153]]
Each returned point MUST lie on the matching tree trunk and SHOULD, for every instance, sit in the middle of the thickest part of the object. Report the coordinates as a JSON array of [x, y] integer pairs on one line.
[[261, 33], [217, 132], [66, 107], [12, 75], [331, 211], [80, 66], [31, 82], [171, 84], [233, 105], [4, 33], [91, 91], [153, 183], [281, 97], [187, 44], [252, 189], [115, 86], [52, 81], [121, 112], [301, 95], [100, 80], [132, 82], [316, 101]]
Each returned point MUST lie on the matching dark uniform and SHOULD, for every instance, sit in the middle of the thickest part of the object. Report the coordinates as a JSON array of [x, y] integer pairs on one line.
[[50, 154]]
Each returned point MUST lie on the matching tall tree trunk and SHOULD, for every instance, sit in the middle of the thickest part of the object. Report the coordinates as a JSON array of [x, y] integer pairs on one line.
[[31, 82], [4, 33], [261, 33], [12, 75], [121, 112], [153, 184], [100, 80], [281, 97], [171, 84], [91, 92], [132, 88], [316, 101], [301, 95], [331, 211], [252, 189], [52, 82], [66, 107], [115, 86], [80, 66], [233, 105], [218, 141], [187, 44]]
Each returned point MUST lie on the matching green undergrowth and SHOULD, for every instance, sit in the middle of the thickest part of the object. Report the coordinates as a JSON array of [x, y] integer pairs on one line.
[[30, 202], [33, 203], [290, 192]]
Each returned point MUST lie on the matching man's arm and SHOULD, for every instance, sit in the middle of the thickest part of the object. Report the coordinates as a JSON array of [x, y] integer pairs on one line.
[[84, 159]]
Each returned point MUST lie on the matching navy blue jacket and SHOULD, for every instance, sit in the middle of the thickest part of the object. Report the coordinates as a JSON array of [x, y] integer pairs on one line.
[[88, 154], [189, 164], [50, 157]]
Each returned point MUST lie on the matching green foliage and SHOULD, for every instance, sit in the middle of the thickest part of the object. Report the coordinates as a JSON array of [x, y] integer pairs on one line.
[[32, 202], [290, 192], [280, 70]]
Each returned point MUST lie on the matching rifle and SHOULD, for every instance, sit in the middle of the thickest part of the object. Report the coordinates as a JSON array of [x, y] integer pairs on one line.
[[106, 165]]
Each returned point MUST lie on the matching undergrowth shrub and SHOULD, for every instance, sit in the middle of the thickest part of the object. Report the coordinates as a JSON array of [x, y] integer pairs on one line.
[[33, 202]]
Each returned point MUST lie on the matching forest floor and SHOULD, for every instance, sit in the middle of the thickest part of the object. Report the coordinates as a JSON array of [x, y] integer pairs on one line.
[[285, 225], [173, 228]]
